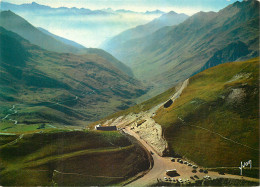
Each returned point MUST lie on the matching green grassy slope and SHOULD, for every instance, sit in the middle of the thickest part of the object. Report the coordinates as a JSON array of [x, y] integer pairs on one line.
[[172, 54], [119, 65], [58, 88], [72, 158], [215, 121], [17, 24], [99, 52]]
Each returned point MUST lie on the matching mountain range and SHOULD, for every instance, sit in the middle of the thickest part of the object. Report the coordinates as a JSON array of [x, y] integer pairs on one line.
[[59, 88], [53, 90], [172, 54], [51, 42], [38, 8], [88, 27], [167, 19]]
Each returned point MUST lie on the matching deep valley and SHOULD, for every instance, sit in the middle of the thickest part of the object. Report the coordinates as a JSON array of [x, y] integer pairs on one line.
[[171, 101]]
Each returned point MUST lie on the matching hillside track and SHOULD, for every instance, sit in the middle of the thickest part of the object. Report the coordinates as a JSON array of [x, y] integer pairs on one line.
[[161, 164]]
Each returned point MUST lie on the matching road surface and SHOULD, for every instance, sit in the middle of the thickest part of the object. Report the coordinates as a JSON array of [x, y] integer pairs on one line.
[[161, 164]]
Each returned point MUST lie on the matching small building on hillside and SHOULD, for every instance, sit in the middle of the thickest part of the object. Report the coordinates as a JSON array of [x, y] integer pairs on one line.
[[105, 128]]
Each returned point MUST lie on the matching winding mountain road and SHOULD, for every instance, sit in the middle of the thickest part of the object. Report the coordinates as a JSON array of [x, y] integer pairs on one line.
[[161, 164], [13, 112]]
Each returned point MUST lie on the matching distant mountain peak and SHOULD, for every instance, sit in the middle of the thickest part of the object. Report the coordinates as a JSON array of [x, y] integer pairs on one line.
[[7, 13], [203, 15], [124, 11], [34, 4], [157, 11], [172, 12], [169, 16]]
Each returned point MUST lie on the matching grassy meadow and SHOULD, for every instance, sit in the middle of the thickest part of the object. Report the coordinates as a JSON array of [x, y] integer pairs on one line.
[[215, 121], [58, 157]]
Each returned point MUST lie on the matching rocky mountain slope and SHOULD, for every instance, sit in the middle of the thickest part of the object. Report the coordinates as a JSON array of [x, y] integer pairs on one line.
[[60, 88], [172, 54]]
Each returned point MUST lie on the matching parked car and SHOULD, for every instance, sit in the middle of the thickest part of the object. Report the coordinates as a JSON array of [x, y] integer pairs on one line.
[[207, 177]]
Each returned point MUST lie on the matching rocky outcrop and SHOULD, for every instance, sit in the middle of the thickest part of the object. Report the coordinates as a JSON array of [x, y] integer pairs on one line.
[[144, 125]]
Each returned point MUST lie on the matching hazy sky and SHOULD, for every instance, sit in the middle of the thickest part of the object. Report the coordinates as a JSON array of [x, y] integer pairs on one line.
[[181, 6]]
